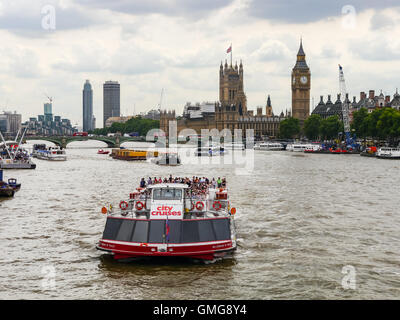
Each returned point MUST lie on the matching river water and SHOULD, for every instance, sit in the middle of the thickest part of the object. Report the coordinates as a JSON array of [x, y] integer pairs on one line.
[[308, 227]]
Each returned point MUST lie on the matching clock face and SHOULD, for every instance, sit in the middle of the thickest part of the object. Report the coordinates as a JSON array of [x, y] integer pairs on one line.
[[303, 79]]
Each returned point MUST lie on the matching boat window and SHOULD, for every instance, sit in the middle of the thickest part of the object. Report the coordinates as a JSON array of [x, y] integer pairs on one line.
[[175, 227], [221, 228], [167, 194], [111, 229], [190, 231], [206, 231], [125, 230], [157, 231], [140, 231]]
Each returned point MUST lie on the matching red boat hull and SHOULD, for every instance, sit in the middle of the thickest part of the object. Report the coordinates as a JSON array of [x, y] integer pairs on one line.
[[201, 250]]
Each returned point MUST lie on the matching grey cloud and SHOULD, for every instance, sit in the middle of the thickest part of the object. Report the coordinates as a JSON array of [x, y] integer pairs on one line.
[[310, 10], [172, 7], [381, 21]]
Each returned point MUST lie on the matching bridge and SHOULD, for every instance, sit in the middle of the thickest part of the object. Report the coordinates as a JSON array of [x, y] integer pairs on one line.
[[63, 141]]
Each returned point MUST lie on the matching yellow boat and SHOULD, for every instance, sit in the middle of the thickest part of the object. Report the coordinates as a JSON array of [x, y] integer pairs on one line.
[[127, 154]]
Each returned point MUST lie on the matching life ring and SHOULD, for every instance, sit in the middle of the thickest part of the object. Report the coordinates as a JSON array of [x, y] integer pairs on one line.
[[139, 205], [192, 206], [123, 205], [199, 205], [219, 205]]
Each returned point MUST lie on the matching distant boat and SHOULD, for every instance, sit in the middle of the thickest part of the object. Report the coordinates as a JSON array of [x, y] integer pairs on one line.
[[388, 153], [101, 151], [270, 146]]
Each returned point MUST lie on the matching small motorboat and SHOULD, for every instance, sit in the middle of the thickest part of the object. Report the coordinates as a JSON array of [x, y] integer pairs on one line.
[[5, 189], [101, 151], [13, 184]]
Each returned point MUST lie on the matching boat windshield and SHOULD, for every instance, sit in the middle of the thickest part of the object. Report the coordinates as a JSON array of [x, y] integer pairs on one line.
[[167, 194]]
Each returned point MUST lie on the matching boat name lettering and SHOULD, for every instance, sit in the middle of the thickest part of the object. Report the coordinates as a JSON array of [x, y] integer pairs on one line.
[[165, 210]]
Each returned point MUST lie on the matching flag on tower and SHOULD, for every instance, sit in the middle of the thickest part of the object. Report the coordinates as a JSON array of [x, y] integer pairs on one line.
[[229, 49]]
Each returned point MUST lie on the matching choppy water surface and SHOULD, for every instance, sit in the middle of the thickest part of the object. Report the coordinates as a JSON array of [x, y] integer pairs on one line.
[[301, 219]]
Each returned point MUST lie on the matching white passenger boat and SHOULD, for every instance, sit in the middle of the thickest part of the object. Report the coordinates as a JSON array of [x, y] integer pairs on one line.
[[298, 147], [52, 153], [210, 151], [270, 146], [36, 148], [234, 146], [171, 220], [388, 153]]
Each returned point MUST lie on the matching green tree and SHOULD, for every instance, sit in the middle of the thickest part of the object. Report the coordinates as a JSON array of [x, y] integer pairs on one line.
[[289, 128], [312, 126], [330, 127], [359, 123], [388, 124], [136, 124]]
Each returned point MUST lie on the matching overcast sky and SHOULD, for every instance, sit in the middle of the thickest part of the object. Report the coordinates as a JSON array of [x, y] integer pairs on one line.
[[178, 45]]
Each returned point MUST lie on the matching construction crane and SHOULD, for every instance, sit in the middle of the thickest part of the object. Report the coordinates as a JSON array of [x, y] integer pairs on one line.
[[50, 98], [345, 109]]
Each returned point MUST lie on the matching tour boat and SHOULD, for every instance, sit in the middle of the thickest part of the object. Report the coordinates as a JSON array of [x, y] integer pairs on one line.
[[313, 148], [170, 220], [298, 147], [269, 146], [36, 148], [131, 155], [388, 153], [210, 151], [52, 153], [101, 151], [235, 146], [168, 159]]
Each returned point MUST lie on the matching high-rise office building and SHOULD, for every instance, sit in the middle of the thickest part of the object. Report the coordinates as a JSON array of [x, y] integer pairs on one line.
[[48, 112], [87, 107], [111, 100]]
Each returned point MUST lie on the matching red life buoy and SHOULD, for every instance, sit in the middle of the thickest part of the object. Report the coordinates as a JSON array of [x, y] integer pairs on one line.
[[215, 205], [199, 205], [139, 205], [123, 205]]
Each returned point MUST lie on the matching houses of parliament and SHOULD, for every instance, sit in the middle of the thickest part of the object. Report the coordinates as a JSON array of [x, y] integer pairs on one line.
[[231, 111]]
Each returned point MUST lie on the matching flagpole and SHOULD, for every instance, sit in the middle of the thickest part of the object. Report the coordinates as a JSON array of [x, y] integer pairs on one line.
[[231, 53]]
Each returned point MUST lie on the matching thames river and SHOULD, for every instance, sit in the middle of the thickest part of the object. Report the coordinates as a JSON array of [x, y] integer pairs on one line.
[[308, 227]]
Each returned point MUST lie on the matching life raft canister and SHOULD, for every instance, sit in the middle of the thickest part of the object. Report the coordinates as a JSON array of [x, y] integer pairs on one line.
[[139, 205], [123, 205], [217, 205], [199, 205]]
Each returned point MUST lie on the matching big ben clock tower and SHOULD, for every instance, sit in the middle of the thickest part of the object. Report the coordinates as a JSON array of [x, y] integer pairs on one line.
[[301, 84]]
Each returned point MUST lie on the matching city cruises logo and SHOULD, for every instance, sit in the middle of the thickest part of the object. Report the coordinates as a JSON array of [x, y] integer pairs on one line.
[[211, 147], [166, 211]]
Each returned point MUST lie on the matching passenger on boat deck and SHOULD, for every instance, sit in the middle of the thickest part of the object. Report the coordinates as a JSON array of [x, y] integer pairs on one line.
[[149, 181], [142, 183]]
